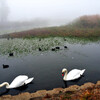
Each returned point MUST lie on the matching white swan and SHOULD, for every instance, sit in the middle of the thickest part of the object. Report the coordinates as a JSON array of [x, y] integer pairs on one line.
[[72, 75], [17, 82]]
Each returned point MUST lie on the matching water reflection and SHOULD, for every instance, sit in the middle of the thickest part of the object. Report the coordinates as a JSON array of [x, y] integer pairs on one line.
[[5, 92], [22, 88], [72, 82], [65, 84]]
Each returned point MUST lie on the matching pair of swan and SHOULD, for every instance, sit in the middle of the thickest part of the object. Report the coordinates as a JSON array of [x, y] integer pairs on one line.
[[23, 79]]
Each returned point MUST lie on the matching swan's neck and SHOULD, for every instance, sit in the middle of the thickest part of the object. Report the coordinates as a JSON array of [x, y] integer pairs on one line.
[[65, 76], [5, 84]]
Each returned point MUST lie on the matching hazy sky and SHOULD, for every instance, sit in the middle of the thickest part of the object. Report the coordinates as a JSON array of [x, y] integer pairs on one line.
[[58, 10]]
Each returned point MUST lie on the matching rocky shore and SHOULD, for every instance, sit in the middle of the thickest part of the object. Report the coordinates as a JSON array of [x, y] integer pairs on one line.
[[88, 91]]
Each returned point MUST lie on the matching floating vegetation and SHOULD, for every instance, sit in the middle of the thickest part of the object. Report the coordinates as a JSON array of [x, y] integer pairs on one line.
[[26, 46], [77, 40], [19, 46]]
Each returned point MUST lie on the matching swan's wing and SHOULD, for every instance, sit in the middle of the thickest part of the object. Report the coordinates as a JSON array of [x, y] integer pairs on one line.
[[82, 71], [29, 80], [18, 81], [74, 74]]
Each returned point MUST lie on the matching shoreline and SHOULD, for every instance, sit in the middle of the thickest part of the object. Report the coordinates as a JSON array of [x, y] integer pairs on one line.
[[87, 91]]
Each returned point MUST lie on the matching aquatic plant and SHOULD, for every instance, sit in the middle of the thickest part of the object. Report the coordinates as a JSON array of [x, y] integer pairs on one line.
[[32, 45], [19, 46]]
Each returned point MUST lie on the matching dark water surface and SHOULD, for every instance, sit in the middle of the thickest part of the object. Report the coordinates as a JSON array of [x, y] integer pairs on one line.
[[46, 67]]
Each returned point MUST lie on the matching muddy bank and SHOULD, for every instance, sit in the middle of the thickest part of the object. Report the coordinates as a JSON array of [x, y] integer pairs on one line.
[[88, 91]]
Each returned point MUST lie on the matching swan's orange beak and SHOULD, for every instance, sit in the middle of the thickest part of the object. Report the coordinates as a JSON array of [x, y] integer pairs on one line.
[[62, 74]]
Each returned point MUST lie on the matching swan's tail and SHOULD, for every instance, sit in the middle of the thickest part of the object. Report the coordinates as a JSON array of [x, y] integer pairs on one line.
[[82, 71], [29, 80]]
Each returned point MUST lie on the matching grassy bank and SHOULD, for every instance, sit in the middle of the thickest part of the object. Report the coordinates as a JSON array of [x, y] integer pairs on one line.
[[57, 31]]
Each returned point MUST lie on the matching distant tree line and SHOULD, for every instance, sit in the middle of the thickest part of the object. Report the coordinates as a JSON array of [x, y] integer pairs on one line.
[[85, 26], [87, 21]]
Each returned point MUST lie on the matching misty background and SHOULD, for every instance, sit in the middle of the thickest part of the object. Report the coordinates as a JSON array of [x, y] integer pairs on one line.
[[17, 15]]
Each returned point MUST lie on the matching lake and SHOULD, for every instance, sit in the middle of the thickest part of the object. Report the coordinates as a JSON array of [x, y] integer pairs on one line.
[[46, 65]]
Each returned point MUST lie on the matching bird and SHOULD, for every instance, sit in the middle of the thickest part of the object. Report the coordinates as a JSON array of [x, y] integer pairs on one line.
[[17, 82], [5, 66], [11, 54], [65, 46], [72, 75], [40, 49], [53, 49], [57, 47]]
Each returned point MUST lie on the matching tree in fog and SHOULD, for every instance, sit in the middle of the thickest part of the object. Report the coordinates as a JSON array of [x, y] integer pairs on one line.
[[4, 11]]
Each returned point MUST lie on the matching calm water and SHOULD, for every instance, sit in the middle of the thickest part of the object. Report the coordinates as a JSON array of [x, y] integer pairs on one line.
[[45, 66]]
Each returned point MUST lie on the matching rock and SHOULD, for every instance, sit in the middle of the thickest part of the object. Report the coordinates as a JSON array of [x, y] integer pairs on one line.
[[97, 84], [47, 96], [55, 91], [22, 96], [87, 86], [95, 91], [72, 88], [6, 97], [39, 93]]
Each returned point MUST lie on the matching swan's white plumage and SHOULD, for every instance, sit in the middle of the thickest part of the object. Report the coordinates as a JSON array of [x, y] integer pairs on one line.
[[73, 74], [29, 80], [17, 82]]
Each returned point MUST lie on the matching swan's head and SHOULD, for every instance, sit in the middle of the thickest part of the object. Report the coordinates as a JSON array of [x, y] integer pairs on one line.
[[64, 70]]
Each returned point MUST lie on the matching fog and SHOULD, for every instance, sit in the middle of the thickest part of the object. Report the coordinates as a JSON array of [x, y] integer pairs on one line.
[[53, 12], [57, 10], [4, 11]]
